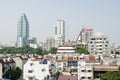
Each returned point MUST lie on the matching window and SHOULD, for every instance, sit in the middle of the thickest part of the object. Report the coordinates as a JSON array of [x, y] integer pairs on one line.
[[89, 70], [40, 62], [43, 69], [107, 42], [30, 78], [104, 38], [82, 70], [30, 71], [31, 64], [92, 45], [92, 38], [91, 42], [83, 77], [89, 77], [106, 45]]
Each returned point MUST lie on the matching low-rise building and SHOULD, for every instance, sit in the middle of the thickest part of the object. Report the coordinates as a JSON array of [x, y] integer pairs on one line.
[[39, 69], [5, 65], [67, 47], [20, 61]]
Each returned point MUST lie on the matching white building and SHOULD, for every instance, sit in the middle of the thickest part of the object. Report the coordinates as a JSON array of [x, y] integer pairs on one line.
[[38, 70], [66, 48], [61, 29], [59, 33], [98, 44], [50, 42], [85, 71], [58, 40], [1, 75], [84, 36], [33, 42], [20, 61]]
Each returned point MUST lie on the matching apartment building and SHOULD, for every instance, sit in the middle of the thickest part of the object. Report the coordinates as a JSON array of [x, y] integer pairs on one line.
[[39, 69], [98, 44]]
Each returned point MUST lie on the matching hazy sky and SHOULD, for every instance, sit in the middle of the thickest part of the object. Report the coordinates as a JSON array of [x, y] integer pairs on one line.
[[101, 15]]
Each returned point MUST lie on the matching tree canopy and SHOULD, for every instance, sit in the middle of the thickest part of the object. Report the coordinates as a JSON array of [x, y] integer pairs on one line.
[[53, 50], [13, 73], [82, 50], [110, 75], [22, 50]]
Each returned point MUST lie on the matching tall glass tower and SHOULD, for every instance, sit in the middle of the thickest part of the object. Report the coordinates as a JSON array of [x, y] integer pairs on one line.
[[22, 31]]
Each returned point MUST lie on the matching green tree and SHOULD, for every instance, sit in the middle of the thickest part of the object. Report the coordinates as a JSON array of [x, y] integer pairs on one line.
[[57, 74], [23, 50], [82, 50], [13, 73], [110, 75], [53, 50]]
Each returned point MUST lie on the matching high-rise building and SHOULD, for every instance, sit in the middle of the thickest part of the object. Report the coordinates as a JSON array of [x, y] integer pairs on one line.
[[22, 31], [83, 37], [61, 29], [50, 42], [99, 44], [59, 33]]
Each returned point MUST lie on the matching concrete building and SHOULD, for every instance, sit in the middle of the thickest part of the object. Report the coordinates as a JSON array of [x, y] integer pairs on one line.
[[85, 71], [61, 29], [83, 37], [33, 42], [1, 75], [67, 47], [50, 42], [39, 70], [98, 44], [20, 61], [58, 40], [59, 33], [22, 31]]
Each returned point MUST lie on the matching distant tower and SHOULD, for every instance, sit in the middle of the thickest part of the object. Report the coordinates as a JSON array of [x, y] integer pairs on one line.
[[61, 29], [84, 36], [22, 31]]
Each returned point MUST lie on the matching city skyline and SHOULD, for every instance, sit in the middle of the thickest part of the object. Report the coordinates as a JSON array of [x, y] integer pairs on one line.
[[101, 16]]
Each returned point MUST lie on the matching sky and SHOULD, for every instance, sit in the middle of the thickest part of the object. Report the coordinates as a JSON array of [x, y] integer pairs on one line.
[[100, 15]]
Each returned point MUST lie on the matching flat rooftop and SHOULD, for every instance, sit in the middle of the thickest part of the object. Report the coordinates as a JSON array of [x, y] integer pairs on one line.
[[105, 68]]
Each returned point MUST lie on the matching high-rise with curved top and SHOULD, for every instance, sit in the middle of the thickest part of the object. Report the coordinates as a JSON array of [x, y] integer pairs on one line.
[[22, 31]]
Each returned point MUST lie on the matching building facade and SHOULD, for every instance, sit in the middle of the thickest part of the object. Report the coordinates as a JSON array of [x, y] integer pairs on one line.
[[22, 31], [83, 37], [61, 29], [59, 33], [98, 44], [39, 70], [50, 42]]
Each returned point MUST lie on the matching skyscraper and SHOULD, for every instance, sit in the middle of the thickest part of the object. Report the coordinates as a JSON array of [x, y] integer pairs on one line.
[[22, 31], [61, 29], [59, 33]]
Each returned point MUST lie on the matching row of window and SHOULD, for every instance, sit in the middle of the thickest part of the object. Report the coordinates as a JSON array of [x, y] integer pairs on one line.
[[98, 42], [98, 38], [85, 78], [86, 70], [99, 46]]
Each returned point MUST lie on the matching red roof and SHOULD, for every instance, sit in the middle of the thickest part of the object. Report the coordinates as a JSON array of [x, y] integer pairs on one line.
[[67, 77], [48, 57], [70, 58], [89, 58], [67, 44]]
